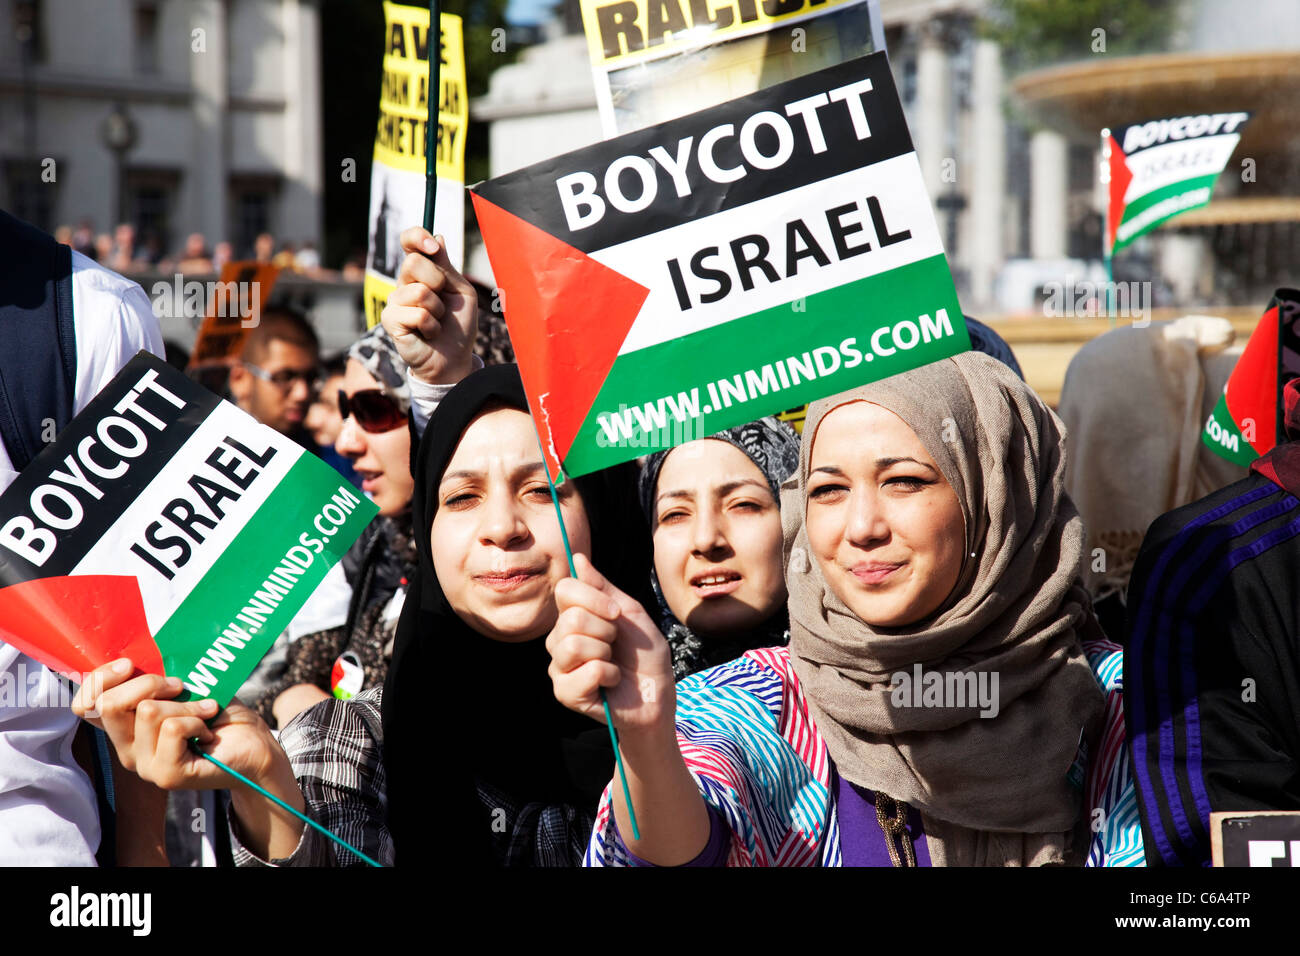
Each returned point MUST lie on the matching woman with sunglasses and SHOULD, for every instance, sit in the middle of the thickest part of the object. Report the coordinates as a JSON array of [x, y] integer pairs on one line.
[[423, 356], [364, 597]]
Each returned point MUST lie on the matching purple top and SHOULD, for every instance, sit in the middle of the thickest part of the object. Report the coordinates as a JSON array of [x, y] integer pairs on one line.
[[862, 841], [713, 854]]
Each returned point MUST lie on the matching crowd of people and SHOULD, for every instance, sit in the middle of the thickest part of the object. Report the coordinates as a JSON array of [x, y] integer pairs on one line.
[[125, 251], [919, 632]]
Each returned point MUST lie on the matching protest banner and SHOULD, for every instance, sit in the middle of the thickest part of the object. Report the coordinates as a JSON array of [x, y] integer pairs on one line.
[[1249, 419], [397, 173], [1158, 169], [733, 263], [1255, 838], [653, 60], [235, 304], [166, 525]]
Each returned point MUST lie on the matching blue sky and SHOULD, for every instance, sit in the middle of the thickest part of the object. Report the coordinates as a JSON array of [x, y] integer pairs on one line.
[[526, 12]]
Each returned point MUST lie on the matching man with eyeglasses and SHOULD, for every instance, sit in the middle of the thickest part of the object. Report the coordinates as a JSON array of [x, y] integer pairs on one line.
[[276, 375]]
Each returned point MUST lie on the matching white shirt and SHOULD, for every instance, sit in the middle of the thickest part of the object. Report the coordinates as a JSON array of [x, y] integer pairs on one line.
[[48, 815]]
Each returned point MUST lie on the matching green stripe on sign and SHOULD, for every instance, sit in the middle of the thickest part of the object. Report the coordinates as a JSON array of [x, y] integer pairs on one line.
[[1147, 200], [1222, 436], [236, 611], [732, 373]]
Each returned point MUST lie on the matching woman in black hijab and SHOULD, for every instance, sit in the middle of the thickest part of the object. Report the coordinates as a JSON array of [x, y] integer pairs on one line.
[[471, 724], [464, 757]]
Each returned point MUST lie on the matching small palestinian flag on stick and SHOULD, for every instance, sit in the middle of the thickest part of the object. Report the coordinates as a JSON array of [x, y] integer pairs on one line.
[[1158, 169], [166, 525], [1248, 420]]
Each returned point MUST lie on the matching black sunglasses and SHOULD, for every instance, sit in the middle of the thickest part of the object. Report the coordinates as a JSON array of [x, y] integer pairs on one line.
[[373, 410]]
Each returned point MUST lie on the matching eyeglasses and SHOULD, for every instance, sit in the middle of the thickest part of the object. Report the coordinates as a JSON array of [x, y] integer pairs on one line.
[[373, 410], [285, 378]]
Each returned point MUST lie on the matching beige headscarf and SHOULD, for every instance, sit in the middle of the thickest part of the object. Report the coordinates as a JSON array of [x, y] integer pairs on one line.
[[992, 791], [1135, 401]]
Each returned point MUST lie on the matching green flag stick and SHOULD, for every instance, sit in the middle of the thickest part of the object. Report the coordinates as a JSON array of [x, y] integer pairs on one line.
[[434, 99], [573, 573], [194, 746]]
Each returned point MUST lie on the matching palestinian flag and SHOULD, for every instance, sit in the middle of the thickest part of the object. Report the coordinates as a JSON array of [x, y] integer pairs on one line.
[[166, 525], [736, 262], [1248, 421], [1161, 168]]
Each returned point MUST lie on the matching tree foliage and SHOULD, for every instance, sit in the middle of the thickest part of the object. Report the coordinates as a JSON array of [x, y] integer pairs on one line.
[[1039, 32]]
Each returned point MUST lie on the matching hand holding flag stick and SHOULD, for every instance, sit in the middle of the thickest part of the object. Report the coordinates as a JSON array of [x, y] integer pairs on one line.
[[419, 295], [161, 740], [432, 314]]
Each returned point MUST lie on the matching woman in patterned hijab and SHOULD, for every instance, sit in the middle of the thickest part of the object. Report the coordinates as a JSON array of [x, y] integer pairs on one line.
[[713, 509]]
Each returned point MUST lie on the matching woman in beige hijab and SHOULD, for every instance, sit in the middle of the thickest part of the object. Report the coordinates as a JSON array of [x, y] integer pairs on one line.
[[931, 706], [1134, 402]]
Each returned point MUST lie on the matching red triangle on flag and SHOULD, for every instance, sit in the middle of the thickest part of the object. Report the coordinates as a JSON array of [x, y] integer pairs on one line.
[[77, 623], [1120, 177], [1252, 389], [568, 316]]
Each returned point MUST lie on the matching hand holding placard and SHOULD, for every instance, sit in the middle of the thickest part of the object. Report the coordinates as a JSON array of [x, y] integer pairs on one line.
[[151, 734], [432, 315]]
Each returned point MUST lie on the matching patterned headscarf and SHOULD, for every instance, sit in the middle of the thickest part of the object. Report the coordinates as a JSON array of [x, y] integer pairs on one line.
[[376, 351], [773, 446], [770, 444]]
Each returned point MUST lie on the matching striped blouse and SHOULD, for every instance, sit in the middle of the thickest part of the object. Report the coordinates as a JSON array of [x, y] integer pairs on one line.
[[749, 741]]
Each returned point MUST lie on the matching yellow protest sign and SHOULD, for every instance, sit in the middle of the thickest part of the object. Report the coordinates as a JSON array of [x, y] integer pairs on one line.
[[657, 59], [397, 174]]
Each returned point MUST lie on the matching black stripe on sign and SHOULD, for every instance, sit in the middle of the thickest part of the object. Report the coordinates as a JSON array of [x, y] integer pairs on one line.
[[1212, 128], [72, 544], [532, 194]]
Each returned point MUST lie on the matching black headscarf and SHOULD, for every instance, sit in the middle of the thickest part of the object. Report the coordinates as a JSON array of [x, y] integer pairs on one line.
[[460, 707]]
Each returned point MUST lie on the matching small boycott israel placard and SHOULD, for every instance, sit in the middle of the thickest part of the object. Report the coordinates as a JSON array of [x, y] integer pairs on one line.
[[732, 263], [167, 526], [1161, 168], [397, 174], [1256, 838], [1249, 419]]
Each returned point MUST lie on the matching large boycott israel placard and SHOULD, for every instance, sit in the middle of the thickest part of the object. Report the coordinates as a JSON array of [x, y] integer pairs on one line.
[[729, 264], [167, 526]]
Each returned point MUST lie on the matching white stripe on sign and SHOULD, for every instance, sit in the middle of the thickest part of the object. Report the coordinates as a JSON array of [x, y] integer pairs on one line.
[[900, 201], [1171, 163], [112, 554]]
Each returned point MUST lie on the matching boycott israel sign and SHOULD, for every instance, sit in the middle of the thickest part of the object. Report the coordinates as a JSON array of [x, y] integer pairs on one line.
[[1249, 419], [729, 264], [167, 526], [1161, 168]]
